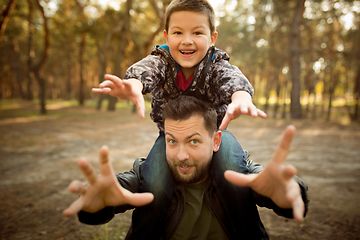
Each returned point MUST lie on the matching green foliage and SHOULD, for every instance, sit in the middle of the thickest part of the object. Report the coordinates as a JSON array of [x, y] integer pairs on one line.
[[256, 34]]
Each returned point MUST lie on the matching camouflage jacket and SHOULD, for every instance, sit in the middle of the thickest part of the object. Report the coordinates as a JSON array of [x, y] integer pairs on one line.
[[214, 81]]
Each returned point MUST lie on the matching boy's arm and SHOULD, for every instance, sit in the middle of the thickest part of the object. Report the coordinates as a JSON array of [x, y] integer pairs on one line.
[[241, 103], [130, 89], [149, 70]]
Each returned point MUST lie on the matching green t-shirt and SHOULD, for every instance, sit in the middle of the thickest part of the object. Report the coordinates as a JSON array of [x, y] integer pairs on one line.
[[198, 222]]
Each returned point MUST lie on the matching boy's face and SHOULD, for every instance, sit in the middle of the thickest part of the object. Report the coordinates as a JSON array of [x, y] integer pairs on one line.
[[189, 39]]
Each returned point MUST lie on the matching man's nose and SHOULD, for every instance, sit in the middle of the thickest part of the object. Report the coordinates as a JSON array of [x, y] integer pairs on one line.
[[182, 154]]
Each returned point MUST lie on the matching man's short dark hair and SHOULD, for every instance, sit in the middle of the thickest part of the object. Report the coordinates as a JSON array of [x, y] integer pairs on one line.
[[201, 6], [184, 107]]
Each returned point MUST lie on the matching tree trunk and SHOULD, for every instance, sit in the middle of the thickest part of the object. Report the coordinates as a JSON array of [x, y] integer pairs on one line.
[[122, 47], [42, 92], [5, 17], [102, 62], [267, 90], [14, 65], [69, 76], [161, 15], [2, 83], [295, 107], [355, 114], [31, 51], [81, 63], [284, 97], [102, 55], [37, 68], [278, 87]]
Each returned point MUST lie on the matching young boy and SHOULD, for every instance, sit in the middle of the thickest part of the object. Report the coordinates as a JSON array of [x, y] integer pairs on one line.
[[188, 64]]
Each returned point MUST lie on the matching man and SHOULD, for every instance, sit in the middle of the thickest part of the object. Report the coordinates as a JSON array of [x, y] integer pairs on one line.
[[197, 209]]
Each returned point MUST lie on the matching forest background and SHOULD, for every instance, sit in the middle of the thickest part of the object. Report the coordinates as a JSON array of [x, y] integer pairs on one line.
[[302, 57]]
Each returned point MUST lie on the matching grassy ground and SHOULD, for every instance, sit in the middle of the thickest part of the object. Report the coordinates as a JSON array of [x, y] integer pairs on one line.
[[38, 156]]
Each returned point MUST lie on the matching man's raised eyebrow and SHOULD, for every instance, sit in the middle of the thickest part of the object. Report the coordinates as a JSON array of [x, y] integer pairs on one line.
[[192, 135], [166, 133]]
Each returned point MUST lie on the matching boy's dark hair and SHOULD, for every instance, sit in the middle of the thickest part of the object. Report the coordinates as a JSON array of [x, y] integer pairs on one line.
[[184, 107], [201, 6]]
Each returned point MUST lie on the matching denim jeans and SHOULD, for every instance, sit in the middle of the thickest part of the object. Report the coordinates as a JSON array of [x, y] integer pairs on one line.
[[157, 179]]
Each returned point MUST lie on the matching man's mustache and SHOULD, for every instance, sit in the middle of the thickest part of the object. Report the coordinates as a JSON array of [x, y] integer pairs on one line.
[[184, 163]]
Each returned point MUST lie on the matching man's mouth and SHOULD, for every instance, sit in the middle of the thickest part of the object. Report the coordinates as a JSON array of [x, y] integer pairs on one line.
[[184, 168]]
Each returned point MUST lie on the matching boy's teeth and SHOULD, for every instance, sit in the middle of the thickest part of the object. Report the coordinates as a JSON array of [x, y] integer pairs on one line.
[[187, 52], [184, 166]]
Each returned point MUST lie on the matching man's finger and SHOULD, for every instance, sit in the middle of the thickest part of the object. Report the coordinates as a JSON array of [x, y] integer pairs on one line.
[[104, 163], [74, 208], [239, 179], [288, 172], [298, 208], [284, 146], [87, 170], [77, 187], [139, 199]]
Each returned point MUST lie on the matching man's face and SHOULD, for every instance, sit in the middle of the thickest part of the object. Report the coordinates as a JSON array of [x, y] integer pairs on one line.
[[189, 38], [189, 149]]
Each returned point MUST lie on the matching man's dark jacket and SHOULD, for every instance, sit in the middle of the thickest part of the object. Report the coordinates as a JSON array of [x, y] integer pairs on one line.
[[240, 222]]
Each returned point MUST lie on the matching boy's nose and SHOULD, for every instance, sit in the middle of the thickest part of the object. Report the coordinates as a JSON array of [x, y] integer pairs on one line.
[[187, 40]]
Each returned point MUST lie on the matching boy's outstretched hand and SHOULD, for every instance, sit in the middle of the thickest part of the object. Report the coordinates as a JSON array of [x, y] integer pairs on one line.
[[102, 190], [130, 89], [276, 180], [241, 104]]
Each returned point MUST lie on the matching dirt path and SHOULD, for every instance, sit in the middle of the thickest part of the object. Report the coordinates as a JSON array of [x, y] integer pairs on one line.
[[38, 158]]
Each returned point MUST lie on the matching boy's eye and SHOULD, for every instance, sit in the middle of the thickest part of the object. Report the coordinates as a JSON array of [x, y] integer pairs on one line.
[[177, 33], [197, 33]]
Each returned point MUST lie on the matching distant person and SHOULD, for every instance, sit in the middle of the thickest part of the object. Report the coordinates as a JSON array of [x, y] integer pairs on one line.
[[198, 210], [188, 64]]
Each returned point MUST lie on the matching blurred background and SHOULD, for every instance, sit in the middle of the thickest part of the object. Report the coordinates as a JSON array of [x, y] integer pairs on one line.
[[302, 57]]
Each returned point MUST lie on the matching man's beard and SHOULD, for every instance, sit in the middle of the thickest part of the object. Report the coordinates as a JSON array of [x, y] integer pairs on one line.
[[199, 175]]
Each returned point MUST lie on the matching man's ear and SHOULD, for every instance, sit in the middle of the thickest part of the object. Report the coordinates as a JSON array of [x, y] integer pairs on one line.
[[217, 141]]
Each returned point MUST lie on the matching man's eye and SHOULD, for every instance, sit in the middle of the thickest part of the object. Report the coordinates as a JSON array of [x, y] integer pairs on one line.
[[172, 141], [194, 141]]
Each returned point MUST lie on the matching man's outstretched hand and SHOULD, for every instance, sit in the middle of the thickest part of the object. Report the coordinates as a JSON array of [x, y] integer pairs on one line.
[[102, 190], [276, 180]]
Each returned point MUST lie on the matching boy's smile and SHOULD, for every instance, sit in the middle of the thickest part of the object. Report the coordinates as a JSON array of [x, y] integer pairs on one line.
[[189, 39]]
